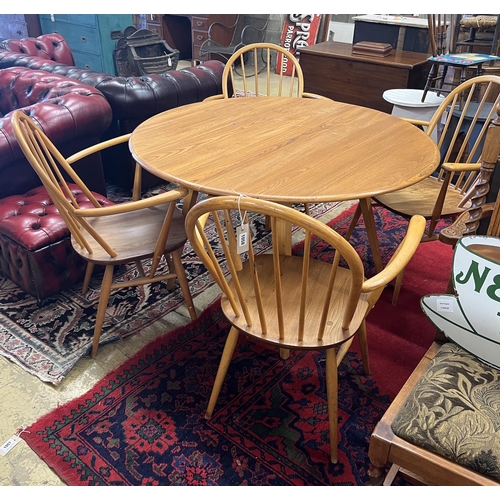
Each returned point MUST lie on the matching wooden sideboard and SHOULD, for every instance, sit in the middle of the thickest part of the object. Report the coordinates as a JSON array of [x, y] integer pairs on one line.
[[186, 32], [330, 69]]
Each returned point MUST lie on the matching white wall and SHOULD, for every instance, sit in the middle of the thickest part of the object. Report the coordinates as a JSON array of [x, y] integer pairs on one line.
[[343, 32]]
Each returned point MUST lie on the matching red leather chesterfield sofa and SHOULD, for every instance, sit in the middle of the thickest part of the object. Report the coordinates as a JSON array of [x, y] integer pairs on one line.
[[132, 99], [35, 248]]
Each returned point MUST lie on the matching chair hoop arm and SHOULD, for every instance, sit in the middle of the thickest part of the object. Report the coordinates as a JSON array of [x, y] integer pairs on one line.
[[130, 206], [461, 167], [310, 95], [98, 147], [401, 257], [214, 97], [414, 121]]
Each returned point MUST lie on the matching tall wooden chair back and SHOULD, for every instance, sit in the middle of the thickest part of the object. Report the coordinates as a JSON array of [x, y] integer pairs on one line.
[[248, 72], [443, 35], [443, 29], [289, 301], [150, 228]]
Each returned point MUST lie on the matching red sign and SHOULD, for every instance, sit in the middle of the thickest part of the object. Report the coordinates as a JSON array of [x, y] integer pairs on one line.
[[299, 30]]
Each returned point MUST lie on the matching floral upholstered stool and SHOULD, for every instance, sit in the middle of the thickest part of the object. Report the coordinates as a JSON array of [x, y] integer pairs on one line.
[[454, 411]]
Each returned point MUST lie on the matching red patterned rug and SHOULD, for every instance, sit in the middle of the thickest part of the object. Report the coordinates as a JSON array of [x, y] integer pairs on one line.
[[143, 424]]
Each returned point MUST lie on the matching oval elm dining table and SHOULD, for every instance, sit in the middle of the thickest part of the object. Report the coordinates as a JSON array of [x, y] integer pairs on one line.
[[286, 150]]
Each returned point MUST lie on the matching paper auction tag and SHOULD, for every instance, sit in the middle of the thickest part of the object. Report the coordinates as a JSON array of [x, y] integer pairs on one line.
[[242, 238], [8, 445]]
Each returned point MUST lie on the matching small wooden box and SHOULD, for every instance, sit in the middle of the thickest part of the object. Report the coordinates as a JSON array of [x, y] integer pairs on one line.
[[375, 49]]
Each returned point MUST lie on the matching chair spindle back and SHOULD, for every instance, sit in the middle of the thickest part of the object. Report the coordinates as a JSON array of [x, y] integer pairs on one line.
[[249, 71], [279, 298]]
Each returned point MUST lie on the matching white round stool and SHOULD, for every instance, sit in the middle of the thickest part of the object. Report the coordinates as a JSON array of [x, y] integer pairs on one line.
[[407, 103]]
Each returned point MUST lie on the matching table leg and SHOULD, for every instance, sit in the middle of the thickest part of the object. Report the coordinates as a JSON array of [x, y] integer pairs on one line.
[[366, 210], [189, 201]]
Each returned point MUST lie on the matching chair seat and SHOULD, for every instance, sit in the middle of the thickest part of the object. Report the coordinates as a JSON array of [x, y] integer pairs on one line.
[[291, 272], [419, 199], [454, 411], [139, 240]]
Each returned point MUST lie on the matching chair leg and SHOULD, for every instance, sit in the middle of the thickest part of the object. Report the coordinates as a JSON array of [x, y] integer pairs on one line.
[[354, 221], [183, 282], [363, 344], [227, 354], [88, 275], [332, 399], [140, 269], [391, 475], [397, 287], [171, 267], [101, 308], [428, 85]]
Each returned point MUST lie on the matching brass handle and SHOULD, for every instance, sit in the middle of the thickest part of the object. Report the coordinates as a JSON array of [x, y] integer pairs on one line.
[[199, 23], [200, 37]]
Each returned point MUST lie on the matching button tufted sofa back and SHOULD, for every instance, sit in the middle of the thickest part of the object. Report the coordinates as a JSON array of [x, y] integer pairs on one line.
[[51, 46], [73, 115], [132, 99]]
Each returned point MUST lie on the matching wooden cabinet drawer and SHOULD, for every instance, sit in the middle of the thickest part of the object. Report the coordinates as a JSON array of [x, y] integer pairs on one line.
[[81, 38], [199, 37], [49, 20], [200, 23], [154, 27], [88, 61]]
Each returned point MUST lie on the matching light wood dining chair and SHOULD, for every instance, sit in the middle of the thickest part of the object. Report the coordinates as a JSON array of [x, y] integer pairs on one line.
[[263, 69], [462, 120], [290, 301], [149, 228]]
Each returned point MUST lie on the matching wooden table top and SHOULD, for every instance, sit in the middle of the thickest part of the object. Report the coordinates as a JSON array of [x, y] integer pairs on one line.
[[284, 149]]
